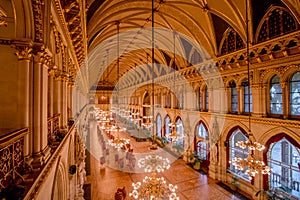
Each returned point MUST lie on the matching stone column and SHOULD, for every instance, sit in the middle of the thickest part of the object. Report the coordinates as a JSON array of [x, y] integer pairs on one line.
[[240, 99], [70, 99], [263, 107], [256, 101], [63, 106], [41, 151], [285, 97], [23, 52], [210, 99], [56, 92], [50, 92]]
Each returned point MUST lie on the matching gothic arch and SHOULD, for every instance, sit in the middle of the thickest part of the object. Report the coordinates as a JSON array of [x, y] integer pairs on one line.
[[60, 182]]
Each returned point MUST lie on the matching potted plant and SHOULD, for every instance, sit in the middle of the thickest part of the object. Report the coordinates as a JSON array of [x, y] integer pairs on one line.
[[234, 183], [190, 158], [197, 163]]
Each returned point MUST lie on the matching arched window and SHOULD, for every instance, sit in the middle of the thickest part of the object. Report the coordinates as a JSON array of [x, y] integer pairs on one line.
[[202, 146], [277, 21], [206, 98], [180, 130], [167, 127], [233, 97], [284, 159], [247, 96], [158, 126], [275, 96], [235, 151], [295, 94]]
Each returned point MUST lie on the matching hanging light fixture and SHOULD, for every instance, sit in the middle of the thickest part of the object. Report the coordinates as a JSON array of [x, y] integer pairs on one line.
[[135, 115], [147, 124], [250, 164], [154, 163], [174, 135], [118, 142], [153, 187]]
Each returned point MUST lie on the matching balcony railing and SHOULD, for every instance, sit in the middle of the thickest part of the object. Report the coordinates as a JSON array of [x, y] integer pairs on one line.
[[54, 136], [12, 165]]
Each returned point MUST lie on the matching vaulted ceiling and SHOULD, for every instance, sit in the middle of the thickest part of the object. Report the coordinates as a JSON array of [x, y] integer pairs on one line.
[[199, 27]]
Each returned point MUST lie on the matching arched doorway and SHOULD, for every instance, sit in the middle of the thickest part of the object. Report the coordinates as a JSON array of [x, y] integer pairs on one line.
[[201, 143]]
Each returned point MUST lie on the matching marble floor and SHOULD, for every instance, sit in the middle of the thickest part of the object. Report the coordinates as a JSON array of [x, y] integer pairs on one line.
[[192, 185]]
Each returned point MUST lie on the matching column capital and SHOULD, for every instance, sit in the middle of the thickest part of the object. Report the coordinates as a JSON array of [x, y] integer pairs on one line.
[[41, 54], [23, 50]]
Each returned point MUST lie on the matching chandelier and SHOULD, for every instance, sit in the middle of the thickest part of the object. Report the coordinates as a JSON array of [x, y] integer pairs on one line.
[[153, 188], [147, 122], [250, 164], [154, 163], [174, 135], [117, 142]]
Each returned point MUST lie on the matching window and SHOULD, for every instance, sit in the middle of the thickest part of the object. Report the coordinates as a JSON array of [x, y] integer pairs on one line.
[[202, 150], [201, 132], [284, 159], [235, 151], [179, 129], [206, 98], [158, 125], [234, 97], [202, 146], [247, 96], [167, 127], [295, 94], [277, 22], [275, 96]]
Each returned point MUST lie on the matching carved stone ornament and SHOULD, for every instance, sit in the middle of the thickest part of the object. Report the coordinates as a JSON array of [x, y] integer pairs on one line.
[[38, 9], [23, 52], [3, 15]]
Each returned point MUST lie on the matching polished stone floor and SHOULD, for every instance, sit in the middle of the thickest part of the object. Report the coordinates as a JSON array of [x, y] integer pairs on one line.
[[192, 185]]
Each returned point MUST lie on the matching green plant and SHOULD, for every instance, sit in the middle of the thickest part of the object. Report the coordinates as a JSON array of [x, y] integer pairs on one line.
[[191, 158], [235, 182], [197, 163]]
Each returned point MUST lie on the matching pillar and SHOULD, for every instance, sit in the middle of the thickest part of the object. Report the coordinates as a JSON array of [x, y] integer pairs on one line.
[[50, 92], [23, 52], [41, 151], [63, 102]]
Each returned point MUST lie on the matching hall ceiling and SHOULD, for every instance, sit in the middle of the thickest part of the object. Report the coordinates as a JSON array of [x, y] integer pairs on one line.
[[192, 19]]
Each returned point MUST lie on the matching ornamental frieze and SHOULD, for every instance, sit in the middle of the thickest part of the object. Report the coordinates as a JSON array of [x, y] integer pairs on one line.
[[38, 10]]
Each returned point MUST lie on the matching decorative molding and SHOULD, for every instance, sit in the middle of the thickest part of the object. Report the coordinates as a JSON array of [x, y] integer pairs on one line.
[[3, 15], [23, 52], [38, 10]]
